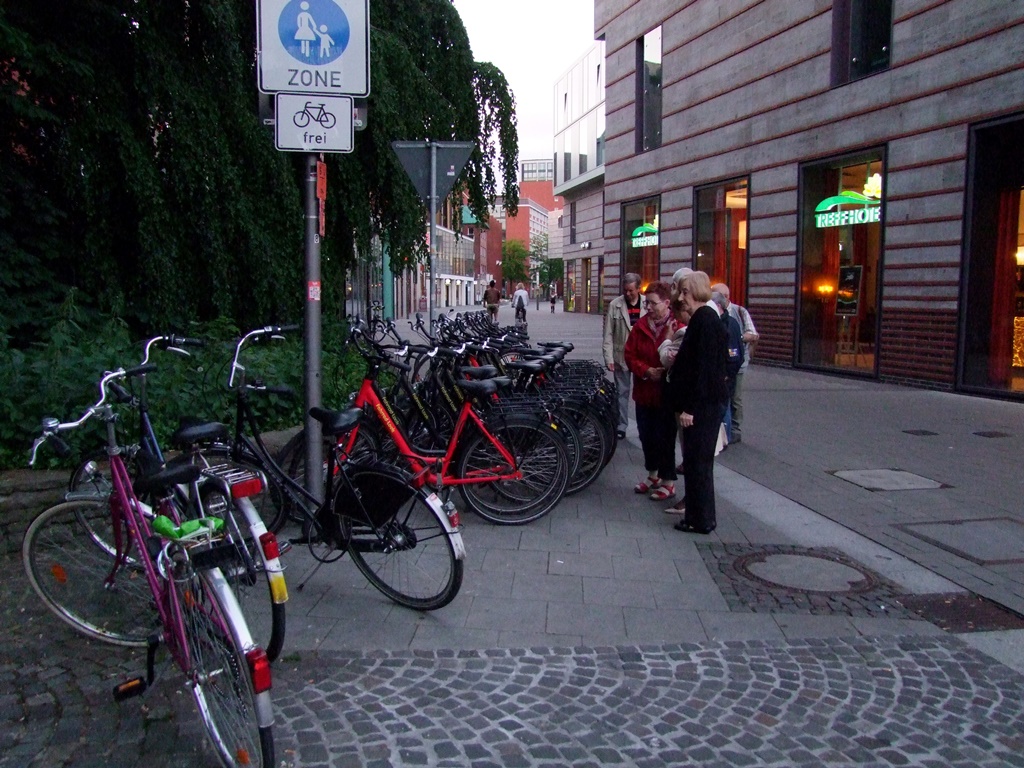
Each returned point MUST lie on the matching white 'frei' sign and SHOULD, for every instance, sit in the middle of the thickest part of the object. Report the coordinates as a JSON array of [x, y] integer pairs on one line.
[[314, 46]]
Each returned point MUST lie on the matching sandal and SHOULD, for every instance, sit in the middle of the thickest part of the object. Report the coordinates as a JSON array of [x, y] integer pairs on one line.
[[663, 492], [679, 508], [645, 486]]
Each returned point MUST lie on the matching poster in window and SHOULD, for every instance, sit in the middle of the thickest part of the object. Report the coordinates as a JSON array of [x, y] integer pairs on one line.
[[848, 291]]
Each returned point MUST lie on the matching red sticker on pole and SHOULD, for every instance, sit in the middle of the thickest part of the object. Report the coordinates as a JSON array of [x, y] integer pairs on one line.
[[314, 290], [321, 180], [322, 218]]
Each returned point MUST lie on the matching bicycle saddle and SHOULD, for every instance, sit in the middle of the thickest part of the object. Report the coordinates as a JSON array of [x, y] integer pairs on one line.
[[178, 474], [337, 422], [202, 432], [479, 372]]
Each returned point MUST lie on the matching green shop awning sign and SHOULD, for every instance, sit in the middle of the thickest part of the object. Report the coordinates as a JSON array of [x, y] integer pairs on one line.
[[870, 211], [644, 235]]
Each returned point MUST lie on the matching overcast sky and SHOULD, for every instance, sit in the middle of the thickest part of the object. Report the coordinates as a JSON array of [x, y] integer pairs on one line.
[[533, 42]]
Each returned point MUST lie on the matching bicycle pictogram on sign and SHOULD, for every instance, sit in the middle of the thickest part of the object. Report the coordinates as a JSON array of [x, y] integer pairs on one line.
[[316, 113]]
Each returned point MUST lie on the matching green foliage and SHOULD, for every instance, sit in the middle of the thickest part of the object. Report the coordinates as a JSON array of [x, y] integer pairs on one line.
[[136, 171], [550, 271], [515, 262], [58, 378]]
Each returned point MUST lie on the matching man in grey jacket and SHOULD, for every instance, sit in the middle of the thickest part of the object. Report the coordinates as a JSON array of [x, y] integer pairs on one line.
[[623, 312]]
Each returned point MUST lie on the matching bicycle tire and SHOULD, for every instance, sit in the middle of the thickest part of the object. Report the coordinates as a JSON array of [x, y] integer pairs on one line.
[[68, 564], [237, 720], [398, 537], [329, 121], [593, 442], [541, 456], [248, 577], [301, 119]]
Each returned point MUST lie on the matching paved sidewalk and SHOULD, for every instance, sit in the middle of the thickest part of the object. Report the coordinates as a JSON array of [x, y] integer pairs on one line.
[[821, 622]]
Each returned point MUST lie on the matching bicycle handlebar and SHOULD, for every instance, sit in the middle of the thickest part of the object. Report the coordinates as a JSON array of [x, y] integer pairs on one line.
[[53, 427], [274, 331]]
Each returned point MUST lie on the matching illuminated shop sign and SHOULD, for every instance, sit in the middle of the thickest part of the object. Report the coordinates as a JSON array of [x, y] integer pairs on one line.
[[869, 210], [645, 235]]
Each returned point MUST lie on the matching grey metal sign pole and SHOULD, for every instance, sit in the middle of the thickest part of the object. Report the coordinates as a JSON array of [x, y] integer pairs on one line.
[[433, 228], [312, 336]]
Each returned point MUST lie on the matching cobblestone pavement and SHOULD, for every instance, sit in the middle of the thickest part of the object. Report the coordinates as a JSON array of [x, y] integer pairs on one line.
[[916, 700]]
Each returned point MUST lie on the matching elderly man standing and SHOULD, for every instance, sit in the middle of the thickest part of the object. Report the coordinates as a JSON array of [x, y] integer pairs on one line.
[[750, 338], [623, 312]]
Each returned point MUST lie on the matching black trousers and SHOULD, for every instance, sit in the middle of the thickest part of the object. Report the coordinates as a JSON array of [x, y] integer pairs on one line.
[[699, 443], [657, 429]]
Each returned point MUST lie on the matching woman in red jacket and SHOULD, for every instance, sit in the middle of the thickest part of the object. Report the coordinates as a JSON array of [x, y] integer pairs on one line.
[[654, 421]]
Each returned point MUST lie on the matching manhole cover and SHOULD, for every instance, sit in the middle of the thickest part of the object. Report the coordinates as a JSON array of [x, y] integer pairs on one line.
[[887, 480], [805, 572], [958, 612]]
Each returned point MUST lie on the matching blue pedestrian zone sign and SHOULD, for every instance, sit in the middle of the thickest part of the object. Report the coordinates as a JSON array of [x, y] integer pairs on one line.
[[314, 46], [313, 31]]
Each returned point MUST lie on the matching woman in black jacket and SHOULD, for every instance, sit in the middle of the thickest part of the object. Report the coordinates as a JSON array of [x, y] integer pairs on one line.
[[696, 390]]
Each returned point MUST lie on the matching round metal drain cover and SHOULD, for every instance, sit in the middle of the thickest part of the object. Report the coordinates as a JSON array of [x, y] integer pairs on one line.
[[805, 573]]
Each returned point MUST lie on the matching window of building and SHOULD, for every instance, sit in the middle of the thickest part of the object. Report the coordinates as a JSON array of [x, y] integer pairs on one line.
[[861, 38], [572, 223], [993, 333], [840, 256], [720, 221], [648, 91], [641, 239]]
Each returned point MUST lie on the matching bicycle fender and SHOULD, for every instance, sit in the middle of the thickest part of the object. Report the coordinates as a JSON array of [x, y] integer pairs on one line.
[[453, 535]]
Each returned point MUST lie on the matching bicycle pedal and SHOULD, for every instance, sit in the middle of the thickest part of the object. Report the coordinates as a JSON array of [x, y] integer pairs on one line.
[[130, 688]]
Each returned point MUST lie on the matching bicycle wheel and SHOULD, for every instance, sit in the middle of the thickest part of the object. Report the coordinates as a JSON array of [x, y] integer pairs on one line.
[[398, 537], [592, 448], [237, 719], [539, 454], [248, 576], [68, 560]]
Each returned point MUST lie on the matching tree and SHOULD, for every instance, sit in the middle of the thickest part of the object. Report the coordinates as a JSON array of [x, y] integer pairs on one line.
[[515, 262], [136, 171]]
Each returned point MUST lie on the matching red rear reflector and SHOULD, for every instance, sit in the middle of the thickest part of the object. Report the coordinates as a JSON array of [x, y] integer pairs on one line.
[[453, 518], [259, 666], [246, 488], [271, 549]]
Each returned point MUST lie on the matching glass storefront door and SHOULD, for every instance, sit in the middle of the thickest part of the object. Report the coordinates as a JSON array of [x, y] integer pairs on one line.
[[840, 261], [721, 225], [993, 321]]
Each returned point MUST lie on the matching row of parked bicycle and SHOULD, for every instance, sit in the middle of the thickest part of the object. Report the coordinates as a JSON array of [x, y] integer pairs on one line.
[[151, 550]]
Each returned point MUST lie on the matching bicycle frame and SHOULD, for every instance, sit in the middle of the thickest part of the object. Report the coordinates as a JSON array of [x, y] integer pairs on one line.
[[423, 465]]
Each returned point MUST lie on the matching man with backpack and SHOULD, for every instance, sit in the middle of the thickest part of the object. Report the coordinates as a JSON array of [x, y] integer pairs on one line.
[[750, 337], [734, 361]]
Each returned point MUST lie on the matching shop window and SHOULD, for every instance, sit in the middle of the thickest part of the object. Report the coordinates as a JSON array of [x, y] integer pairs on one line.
[[840, 261], [720, 221], [641, 239], [861, 38], [993, 346], [648, 91]]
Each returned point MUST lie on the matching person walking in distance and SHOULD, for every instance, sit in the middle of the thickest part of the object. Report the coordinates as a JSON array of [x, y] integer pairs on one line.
[[492, 298], [519, 301], [750, 337], [623, 313]]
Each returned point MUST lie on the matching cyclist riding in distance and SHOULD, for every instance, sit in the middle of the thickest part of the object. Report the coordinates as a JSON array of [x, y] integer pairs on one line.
[[520, 299]]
